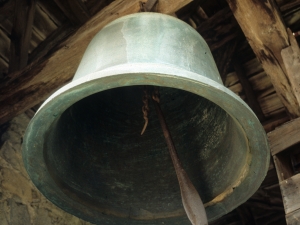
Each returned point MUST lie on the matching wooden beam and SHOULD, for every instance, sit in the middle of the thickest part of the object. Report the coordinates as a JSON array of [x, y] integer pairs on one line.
[[290, 190], [293, 218], [284, 136], [21, 34], [263, 27], [283, 167], [291, 60], [22, 90], [164, 6]]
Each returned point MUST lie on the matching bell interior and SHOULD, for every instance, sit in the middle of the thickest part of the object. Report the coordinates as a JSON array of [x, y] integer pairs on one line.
[[96, 154]]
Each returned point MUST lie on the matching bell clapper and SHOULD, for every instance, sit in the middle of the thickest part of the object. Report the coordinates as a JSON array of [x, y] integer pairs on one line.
[[191, 200], [145, 109]]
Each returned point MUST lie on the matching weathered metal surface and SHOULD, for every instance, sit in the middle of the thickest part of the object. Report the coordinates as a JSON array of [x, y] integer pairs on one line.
[[84, 151]]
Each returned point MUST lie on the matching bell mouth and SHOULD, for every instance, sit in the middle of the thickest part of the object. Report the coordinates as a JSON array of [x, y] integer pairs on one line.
[[54, 136], [95, 153]]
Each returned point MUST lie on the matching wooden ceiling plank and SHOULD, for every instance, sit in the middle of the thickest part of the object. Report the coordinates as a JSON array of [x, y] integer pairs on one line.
[[223, 58], [279, 119], [21, 34], [266, 33], [4, 45], [51, 41], [95, 6], [223, 41], [217, 18], [22, 90], [7, 10], [6, 26], [52, 10], [248, 90], [75, 10], [43, 24], [219, 29], [290, 5], [270, 104], [3, 66]]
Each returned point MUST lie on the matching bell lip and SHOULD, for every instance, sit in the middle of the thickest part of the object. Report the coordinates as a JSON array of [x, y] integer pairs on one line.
[[149, 74]]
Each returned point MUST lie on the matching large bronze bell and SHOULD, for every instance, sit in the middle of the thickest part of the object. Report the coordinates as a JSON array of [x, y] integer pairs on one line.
[[84, 151]]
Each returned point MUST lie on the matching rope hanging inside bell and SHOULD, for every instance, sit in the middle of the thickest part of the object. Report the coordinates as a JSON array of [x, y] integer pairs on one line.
[[191, 200]]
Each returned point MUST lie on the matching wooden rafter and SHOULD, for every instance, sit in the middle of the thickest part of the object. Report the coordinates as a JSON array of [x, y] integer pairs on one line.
[[51, 41], [262, 25], [228, 32], [290, 5], [21, 34], [22, 90]]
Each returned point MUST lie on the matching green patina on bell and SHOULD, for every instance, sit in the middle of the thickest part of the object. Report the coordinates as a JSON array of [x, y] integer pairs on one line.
[[83, 149]]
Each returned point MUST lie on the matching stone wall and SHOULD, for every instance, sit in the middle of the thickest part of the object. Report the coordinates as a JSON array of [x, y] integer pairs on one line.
[[20, 202]]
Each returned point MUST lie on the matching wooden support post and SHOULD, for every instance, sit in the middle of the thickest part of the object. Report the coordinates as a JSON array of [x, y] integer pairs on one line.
[[283, 142], [21, 34], [262, 24], [22, 90]]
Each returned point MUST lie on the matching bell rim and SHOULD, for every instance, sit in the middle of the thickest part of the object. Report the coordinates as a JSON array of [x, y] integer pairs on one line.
[[125, 75]]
